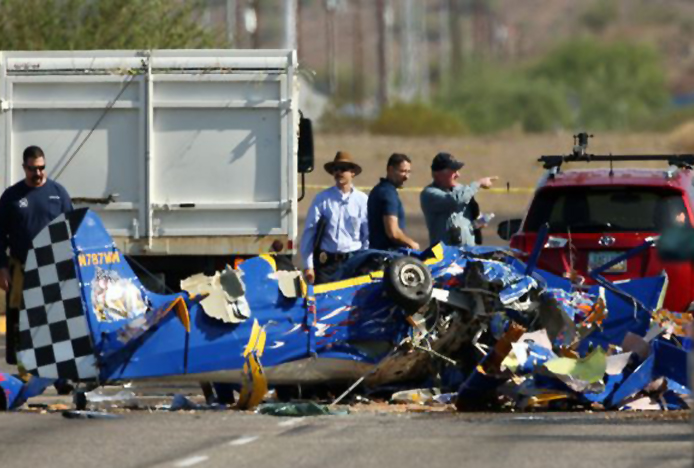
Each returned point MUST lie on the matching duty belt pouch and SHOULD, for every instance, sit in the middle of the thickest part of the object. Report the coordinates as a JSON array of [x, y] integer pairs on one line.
[[320, 231], [17, 284]]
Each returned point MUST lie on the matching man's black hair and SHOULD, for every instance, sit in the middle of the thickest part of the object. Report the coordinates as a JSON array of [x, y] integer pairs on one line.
[[32, 152], [396, 159]]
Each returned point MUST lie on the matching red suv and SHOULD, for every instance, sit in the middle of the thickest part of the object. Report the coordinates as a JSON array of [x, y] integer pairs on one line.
[[595, 215]]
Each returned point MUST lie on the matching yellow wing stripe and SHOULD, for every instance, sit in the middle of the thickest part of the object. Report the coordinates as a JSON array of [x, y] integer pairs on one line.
[[179, 305], [348, 283], [271, 260]]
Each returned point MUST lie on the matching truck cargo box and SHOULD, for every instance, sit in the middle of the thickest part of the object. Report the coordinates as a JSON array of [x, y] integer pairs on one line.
[[181, 152]]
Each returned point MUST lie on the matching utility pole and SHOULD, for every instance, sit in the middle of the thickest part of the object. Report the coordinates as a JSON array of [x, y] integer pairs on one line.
[[299, 24], [456, 37], [444, 44], [331, 40], [407, 55], [290, 19], [481, 28], [358, 54], [240, 29], [382, 9], [231, 23], [422, 52], [414, 59], [255, 34]]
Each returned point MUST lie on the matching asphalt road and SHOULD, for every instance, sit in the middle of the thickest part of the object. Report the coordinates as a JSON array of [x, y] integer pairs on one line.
[[223, 439], [370, 436]]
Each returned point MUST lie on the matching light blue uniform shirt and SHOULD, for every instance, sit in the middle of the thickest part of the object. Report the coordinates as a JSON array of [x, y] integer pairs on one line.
[[445, 209], [347, 228]]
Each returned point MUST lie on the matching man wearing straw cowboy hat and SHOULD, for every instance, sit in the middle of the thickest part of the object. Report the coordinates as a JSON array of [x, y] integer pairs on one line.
[[342, 211]]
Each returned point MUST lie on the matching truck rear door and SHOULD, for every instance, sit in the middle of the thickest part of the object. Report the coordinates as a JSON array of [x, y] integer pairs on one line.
[[181, 152]]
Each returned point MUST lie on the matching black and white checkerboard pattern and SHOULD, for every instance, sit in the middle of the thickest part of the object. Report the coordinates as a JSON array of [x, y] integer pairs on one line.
[[54, 337]]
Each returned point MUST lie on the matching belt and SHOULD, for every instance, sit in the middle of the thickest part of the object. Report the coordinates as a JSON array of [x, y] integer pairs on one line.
[[330, 257]]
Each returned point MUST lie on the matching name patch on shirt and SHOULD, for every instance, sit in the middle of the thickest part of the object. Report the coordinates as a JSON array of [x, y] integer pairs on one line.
[[54, 197]]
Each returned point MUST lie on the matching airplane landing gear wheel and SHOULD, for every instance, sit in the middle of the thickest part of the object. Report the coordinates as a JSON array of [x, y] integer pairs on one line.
[[408, 283]]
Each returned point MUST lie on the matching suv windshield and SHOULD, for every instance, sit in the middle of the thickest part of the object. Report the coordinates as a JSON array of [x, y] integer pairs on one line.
[[599, 209]]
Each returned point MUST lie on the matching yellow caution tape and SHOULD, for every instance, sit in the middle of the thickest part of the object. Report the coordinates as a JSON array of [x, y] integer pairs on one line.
[[419, 189]]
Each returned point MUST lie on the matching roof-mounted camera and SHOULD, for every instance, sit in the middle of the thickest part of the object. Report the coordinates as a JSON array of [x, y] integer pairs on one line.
[[581, 144]]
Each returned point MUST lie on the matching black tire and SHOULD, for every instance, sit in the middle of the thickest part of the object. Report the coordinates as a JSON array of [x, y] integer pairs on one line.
[[408, 283]]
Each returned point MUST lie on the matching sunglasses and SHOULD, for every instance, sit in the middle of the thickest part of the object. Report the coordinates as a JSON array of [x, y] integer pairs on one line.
[[35, 168], [342, 168]]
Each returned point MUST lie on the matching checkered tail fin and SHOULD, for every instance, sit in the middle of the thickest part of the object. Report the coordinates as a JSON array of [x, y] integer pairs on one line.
[[55, 339]]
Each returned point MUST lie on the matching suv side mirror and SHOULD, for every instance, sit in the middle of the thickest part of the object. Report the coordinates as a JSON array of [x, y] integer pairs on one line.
[[305, 156], [508, 228]]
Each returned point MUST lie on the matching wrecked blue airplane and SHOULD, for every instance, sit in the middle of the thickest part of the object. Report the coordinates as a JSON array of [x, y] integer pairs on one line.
[[445, 311]]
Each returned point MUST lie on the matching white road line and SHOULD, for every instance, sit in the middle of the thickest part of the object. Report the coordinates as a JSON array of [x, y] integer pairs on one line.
[[244, 440], [191, 461], [290, 422], [529, 418]]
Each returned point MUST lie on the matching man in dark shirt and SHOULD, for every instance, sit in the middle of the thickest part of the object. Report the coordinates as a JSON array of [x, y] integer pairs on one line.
[[385, 210], [25, 209]]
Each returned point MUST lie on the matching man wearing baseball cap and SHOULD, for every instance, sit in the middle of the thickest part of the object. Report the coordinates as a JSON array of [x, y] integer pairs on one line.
[[342, 212], [447, 204]]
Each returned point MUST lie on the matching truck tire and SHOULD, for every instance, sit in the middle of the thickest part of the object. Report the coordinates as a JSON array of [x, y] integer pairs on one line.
[[408, 283]]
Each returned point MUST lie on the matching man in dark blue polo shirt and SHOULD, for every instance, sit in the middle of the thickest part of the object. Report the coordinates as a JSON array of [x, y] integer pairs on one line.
[[386, 213], [25, 209]]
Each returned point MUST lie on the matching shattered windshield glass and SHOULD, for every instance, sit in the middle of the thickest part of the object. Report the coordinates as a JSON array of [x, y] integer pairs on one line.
[[599, 209]]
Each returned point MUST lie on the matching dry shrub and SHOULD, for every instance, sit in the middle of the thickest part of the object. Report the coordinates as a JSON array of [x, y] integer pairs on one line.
[[417, 120], [682, 137]]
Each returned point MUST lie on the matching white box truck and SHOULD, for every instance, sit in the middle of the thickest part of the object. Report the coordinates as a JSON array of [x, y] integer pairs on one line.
[[189, 157]]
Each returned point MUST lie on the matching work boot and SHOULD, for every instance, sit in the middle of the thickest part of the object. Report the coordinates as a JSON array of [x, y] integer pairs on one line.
[[63, 387]]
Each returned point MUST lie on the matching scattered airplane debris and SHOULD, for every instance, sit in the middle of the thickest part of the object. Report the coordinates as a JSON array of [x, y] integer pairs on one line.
[[470, 326]]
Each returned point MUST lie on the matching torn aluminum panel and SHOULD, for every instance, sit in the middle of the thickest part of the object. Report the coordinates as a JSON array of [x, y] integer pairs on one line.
[[225, 293], [290, 283]]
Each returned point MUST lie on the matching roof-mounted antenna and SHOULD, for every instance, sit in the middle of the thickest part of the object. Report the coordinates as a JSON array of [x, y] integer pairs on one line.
[[611, 168]]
